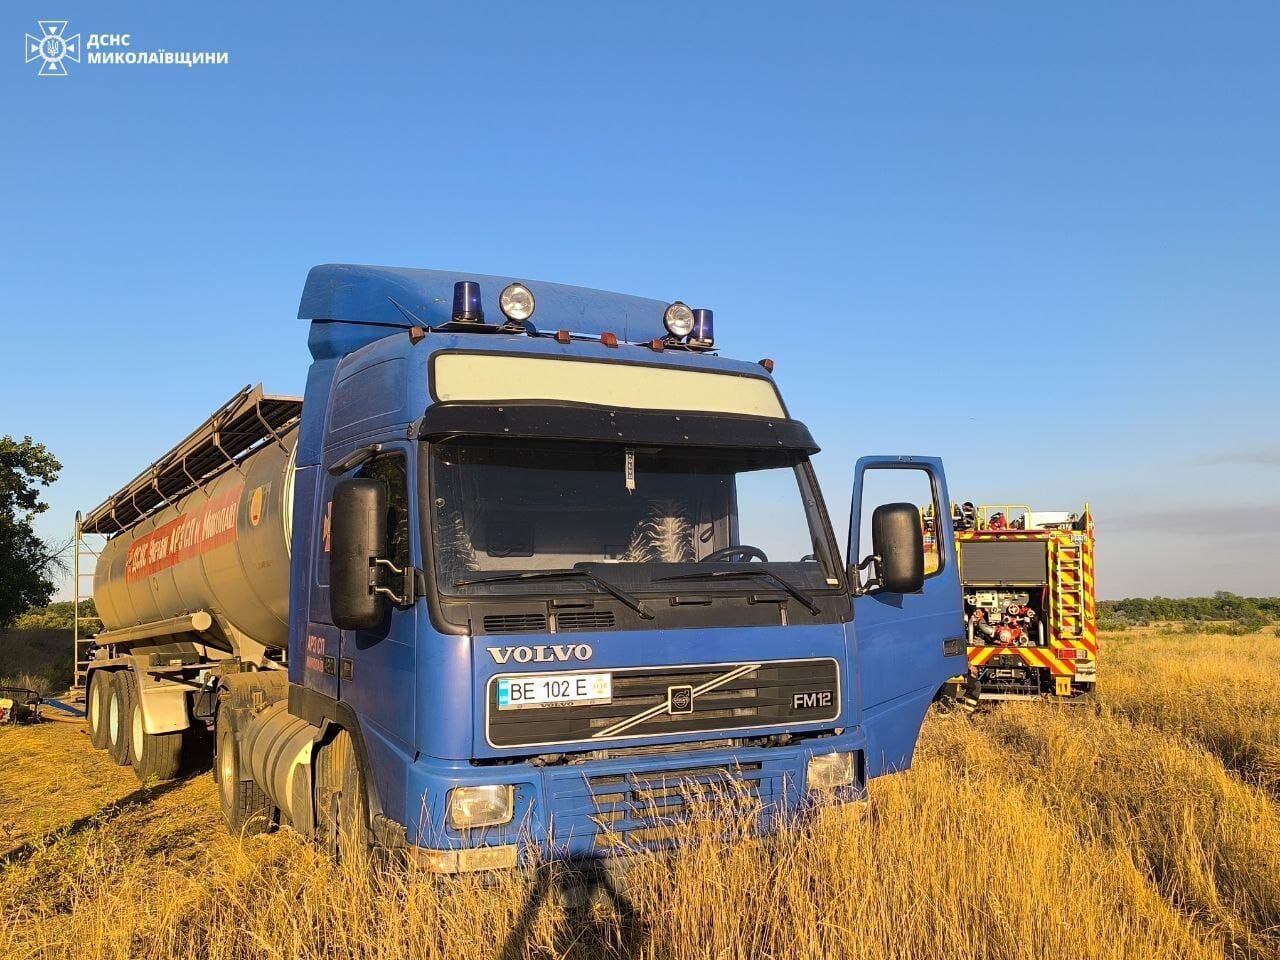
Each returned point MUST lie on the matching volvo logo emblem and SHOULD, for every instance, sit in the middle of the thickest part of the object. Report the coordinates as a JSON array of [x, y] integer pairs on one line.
[[680, 699], [544, 653]]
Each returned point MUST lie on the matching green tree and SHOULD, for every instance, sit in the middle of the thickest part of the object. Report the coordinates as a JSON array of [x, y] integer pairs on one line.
[[26, 561]]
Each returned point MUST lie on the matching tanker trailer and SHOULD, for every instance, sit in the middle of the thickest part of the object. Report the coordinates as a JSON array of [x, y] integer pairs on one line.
[[193, 582]]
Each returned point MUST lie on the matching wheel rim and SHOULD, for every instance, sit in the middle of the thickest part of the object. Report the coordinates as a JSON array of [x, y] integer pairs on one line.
[[95, 705], [136, 742], [113, 720], [226, 769]]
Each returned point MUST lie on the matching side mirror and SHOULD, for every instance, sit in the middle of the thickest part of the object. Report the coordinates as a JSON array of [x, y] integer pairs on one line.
[[898, 541], [357, 531]]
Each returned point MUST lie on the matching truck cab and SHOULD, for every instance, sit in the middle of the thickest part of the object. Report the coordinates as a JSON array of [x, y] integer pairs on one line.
[[558, 575], [530, 570]]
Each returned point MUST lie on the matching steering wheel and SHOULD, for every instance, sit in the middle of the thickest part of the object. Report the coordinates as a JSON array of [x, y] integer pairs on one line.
[[744, 550]]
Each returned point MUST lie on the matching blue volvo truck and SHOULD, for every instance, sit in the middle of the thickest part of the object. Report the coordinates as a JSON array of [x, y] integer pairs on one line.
[[529, 571]]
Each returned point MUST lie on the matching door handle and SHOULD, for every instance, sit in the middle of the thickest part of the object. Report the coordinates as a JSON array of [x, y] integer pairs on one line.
[[348, 668], [953, 646]]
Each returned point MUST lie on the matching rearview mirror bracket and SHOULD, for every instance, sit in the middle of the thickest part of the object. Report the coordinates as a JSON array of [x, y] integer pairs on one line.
[[412, 582], [872, 582]]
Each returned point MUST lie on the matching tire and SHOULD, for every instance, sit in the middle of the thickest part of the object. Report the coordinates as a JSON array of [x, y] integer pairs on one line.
[[154, 756], [342, 806], [119, 712], [246, 808], [95, 708]]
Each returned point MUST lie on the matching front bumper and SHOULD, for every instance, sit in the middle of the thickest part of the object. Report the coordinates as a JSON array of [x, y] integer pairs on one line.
[[605, 808]]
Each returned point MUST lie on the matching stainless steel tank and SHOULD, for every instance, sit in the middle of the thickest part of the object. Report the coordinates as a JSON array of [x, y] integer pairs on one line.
[[223, 548]]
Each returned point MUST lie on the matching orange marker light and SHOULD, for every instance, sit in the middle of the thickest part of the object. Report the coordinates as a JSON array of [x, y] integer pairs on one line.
[[767, 364], [562, 336], [609, 339]]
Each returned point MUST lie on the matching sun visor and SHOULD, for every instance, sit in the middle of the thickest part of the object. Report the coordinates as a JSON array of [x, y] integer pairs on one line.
[[566, 421]]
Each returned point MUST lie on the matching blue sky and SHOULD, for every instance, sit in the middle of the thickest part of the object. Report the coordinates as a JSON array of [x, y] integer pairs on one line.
[[1040, 241]]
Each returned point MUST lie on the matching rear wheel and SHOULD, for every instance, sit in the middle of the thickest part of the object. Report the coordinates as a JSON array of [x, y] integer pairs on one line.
[[96, 708], [119, 713], [342, 807], [155, 756], [245, 807]]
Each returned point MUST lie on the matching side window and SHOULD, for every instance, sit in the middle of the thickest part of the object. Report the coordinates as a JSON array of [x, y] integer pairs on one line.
[[393, 471], [881, 485]]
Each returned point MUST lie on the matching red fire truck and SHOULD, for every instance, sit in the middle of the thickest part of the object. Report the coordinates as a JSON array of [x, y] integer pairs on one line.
[[1030, 607]]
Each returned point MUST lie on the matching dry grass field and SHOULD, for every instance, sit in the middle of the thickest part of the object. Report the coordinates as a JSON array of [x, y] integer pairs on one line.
[[1148, 826]]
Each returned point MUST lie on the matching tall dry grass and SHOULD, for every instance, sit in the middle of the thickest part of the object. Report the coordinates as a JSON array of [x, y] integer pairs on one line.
[[1033, 831], [1219, 692]]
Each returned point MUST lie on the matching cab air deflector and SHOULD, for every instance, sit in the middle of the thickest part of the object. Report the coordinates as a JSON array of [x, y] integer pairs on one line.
[[645, 427]]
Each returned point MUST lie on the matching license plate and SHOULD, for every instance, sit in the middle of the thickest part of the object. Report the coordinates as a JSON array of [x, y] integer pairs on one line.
[[554, 690]]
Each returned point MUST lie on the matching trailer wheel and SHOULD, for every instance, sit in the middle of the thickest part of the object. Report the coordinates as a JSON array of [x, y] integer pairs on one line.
[[342, 807], [119, 713], [155, 756], [246, 808], [96, 708]]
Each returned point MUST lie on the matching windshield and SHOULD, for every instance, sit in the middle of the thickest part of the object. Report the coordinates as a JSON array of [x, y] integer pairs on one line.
[[636, 516]]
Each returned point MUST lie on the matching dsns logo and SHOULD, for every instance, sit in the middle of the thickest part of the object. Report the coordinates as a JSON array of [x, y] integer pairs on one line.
[[53, 48]]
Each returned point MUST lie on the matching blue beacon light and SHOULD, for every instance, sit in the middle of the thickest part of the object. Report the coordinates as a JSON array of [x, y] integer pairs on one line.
[[703, 332], [467, 307]]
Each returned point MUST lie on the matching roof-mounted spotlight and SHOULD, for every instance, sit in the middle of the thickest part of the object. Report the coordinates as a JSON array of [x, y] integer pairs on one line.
[[678, 319], [516, 302], [703, 333], [467, 307]]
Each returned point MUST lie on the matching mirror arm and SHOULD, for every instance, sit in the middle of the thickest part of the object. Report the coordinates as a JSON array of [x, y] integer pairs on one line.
[[413, 582], [860, 588]]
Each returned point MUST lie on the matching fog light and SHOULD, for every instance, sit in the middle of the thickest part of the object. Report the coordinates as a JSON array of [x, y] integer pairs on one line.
[[516, 302], [678, 319], [466, 861], [829, 771], [487, 806]]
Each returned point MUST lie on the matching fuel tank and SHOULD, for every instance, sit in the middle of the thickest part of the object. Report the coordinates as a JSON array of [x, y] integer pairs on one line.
[[223, 548]]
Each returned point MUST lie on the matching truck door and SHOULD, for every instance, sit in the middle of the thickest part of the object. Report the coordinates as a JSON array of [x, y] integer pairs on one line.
[[376, 667], [908, 645]]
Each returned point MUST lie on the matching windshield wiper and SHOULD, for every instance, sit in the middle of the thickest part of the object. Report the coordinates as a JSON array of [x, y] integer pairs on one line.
[[785, 584], [637, 605]]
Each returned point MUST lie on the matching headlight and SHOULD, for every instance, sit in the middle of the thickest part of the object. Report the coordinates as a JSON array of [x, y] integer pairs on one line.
[[678, 319], [516, 302], [481, 806], [829, 771]]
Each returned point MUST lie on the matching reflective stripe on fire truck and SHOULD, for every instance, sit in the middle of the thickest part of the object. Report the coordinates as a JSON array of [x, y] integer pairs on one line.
[[1090, 638], [1041, 658]]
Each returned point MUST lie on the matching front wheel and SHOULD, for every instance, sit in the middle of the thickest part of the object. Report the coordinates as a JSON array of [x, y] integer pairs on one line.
[[342, 807]]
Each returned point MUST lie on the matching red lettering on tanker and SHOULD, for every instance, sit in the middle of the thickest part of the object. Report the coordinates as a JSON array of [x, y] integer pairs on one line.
[[209, 525]]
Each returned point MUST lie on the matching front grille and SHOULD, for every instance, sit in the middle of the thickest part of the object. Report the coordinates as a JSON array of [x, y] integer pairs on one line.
[[515, 623], [585, 620], [653, 808], [777, 693]]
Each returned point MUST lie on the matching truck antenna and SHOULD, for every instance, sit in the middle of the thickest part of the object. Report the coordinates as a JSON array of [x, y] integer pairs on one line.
[[409, 314]]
